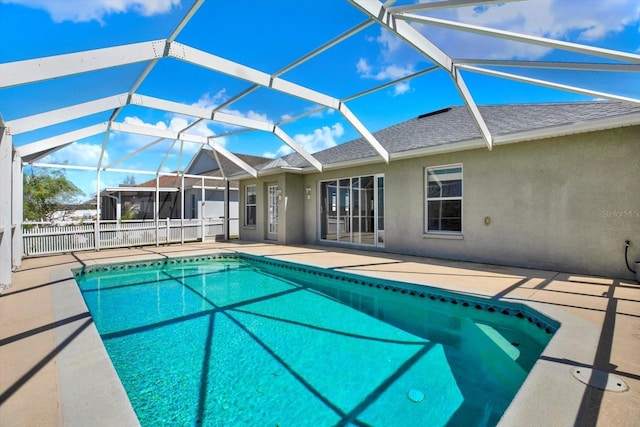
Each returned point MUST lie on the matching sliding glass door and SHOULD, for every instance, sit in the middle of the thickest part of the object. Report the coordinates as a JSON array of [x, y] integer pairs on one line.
[[352, 210]]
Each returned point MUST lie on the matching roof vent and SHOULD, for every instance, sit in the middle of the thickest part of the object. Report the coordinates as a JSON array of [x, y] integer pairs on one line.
[[433, 113]]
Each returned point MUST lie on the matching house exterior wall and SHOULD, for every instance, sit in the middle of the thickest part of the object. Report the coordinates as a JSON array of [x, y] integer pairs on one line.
[[293, 198], [291, 209], [564, 204]]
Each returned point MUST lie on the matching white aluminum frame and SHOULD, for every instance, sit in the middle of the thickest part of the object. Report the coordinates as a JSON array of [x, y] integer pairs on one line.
[[398, 20]]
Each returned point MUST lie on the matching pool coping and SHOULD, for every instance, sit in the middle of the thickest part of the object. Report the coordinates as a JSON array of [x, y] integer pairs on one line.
[[91, 392], [549, 395]]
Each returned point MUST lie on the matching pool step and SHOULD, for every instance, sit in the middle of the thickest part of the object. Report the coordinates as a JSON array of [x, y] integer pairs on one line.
[[500, 341], [494, 355]]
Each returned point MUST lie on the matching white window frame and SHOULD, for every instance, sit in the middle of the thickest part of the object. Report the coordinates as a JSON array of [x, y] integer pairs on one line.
[[247, 205], [443, 233]]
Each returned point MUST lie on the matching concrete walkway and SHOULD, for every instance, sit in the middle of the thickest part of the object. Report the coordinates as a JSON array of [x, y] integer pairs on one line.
[[54, 370]]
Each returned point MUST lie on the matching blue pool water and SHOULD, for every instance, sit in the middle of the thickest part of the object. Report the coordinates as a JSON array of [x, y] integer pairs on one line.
[[235, 343]]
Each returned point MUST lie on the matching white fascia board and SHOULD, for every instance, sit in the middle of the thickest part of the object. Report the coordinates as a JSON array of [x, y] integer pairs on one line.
[[479, 143], [225, 66], [536, 40], [353, 120], [60, 140], [159, 133], [546, 83], [51, 67], [405, 31], [473, 108], [571, 129], [232, 157], [38, 121], [532, 135], [353, 163], [293, 144]]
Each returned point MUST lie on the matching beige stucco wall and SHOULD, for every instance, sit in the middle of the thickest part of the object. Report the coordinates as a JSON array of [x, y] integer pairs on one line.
[[564, 204], [290, 228]]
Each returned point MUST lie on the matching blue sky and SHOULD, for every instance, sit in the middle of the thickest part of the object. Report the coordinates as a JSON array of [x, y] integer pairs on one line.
[[268, 36]]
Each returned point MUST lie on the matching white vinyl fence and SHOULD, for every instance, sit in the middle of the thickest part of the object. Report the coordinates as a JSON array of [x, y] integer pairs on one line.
[[45, 238]]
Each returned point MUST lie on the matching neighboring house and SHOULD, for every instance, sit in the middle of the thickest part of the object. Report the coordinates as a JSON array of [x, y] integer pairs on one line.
[[560, 190], [203, 195]]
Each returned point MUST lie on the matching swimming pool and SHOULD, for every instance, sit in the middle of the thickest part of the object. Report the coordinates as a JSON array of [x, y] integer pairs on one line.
[[242, 340]]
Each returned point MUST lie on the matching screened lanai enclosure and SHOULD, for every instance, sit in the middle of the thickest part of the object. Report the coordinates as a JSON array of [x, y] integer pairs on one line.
[[283, 76]]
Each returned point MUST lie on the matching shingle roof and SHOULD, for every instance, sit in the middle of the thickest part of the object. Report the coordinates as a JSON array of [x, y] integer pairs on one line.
[[455, 124], [230, 168], [226, 166]]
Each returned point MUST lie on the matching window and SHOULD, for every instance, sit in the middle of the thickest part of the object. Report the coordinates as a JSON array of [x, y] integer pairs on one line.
[[443, 204], [250, 205]]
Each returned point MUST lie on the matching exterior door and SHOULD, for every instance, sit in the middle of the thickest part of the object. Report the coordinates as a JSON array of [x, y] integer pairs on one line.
[[273, 194], [352, 210]]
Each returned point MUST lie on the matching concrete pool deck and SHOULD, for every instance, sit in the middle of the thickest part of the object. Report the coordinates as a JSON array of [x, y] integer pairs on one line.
[[54, 370]]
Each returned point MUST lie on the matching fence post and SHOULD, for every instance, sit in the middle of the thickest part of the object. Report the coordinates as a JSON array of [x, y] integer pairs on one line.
[[96, 224], [226, 224]]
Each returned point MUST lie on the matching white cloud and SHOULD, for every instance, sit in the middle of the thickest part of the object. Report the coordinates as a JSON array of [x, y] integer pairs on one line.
[[319, 139], [97, 10], [78, 154], [591, 21], [401, 89], [387, 72], [209, 101], [282, 151], [134, 120]]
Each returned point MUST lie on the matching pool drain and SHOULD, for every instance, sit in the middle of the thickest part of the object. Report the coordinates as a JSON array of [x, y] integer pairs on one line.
[[415, 395], [599, 379]]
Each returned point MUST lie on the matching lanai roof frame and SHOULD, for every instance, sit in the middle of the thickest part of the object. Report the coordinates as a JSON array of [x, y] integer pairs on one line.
[[396, 19]]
